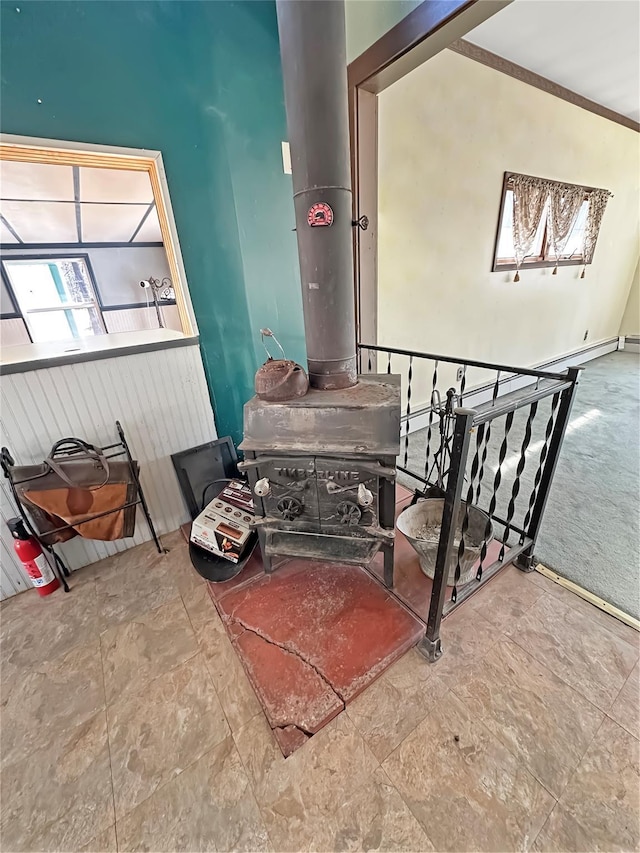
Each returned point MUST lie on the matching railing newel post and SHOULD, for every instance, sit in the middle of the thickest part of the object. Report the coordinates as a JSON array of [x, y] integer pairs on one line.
[[526, 561], [431, 646]]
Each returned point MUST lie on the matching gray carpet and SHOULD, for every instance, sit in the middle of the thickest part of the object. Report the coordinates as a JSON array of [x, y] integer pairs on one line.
[[591, 528]]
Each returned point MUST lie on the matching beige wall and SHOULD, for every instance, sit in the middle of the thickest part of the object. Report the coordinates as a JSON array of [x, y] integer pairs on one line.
[[448, 132], [631, 318]]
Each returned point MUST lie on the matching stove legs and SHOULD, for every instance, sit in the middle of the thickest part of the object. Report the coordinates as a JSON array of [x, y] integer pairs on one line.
[[266, 559], [388, 566]]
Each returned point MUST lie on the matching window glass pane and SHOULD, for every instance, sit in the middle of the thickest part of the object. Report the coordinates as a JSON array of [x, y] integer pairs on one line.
[[506, 249], [64, 325], [33, 285], [54, 283], [536, 248], [575, 244], [505, 241], [75, 279], [50, 282]]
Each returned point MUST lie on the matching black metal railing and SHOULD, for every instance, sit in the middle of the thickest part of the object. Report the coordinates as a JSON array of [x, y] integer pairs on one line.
[[483, 435]]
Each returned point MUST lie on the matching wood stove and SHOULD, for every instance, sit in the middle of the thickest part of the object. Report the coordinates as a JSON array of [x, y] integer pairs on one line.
[[322, 466]]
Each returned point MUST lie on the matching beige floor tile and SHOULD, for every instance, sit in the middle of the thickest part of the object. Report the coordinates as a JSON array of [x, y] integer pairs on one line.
[[603, 796], [542, 721], [374, 818], [505, 598], [593, 613], [563, 834], [45, 701], [296, 795], [236, 694], [130, 584], [207, 807], [466, 638], [202, 613], [34, 629], [179, 563], [626, 707], [393, 705], [466, 789], [135, 652], [104, 842], [154, 737], [539, 580], [586, 656], [60, 797]]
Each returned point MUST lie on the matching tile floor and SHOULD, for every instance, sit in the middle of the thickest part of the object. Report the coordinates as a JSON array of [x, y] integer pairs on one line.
[[128, 723]]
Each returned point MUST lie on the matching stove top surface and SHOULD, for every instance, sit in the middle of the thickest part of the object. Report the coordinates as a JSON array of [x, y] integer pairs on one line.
[[362, 420]]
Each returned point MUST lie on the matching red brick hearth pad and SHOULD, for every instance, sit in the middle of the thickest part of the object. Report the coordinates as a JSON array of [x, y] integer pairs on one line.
[[311, 637]]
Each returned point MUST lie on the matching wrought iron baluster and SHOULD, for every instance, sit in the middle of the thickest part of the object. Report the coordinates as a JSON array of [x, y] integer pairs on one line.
[[370, 364], [463, 384], [515, 490], [434, 385], [389, 362], [496, 388], [407, 425], [496, 485], [487, 438], [483, 459], [543, 455], [475, 467]]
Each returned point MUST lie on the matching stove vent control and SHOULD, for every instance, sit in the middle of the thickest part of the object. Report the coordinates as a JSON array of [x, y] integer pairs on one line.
[[262, 488], [289, 508], [349, 513]]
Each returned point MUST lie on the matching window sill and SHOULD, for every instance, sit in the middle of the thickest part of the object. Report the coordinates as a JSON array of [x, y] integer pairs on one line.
[[536, 265], [24, 357]]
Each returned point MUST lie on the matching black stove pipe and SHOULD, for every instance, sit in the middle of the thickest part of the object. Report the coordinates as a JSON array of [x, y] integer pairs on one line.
[[314, 66]]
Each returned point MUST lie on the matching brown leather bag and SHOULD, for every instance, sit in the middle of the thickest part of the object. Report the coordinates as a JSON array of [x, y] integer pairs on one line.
[[75, 482]]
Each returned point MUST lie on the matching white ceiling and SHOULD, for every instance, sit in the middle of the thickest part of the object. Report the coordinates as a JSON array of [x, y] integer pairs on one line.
[[589, 46], [39, 204]]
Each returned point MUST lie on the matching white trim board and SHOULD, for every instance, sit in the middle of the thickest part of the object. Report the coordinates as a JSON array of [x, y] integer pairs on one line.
[[473, 398], [631, 343]]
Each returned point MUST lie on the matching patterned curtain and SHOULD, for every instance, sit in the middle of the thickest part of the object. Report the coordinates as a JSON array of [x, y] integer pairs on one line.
[[529, 198], [565, 201], [597, 203]]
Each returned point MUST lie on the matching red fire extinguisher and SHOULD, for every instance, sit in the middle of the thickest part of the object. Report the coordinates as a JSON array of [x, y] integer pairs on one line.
[[34, 561]]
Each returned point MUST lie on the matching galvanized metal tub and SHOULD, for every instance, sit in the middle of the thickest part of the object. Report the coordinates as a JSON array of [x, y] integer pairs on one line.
[[421, 524]]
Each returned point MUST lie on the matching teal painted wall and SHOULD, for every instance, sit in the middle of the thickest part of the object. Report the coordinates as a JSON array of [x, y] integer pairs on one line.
[[201, 82]]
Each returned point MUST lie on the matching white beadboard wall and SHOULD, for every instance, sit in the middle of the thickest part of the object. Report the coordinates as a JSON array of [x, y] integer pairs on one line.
[[135, 319], [161, 400]]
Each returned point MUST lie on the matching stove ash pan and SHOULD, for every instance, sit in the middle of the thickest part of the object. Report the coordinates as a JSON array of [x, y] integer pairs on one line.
[[323, 471]]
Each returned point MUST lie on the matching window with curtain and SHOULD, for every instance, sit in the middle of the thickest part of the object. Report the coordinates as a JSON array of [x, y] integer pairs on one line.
[[546, 223]]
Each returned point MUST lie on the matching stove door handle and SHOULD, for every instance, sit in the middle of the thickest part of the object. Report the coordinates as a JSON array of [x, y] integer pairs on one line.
[[377, 469]]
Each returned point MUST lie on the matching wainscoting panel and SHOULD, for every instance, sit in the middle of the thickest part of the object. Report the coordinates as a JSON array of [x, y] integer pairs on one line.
[[13, 332], [160, 398], [136, 319]]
